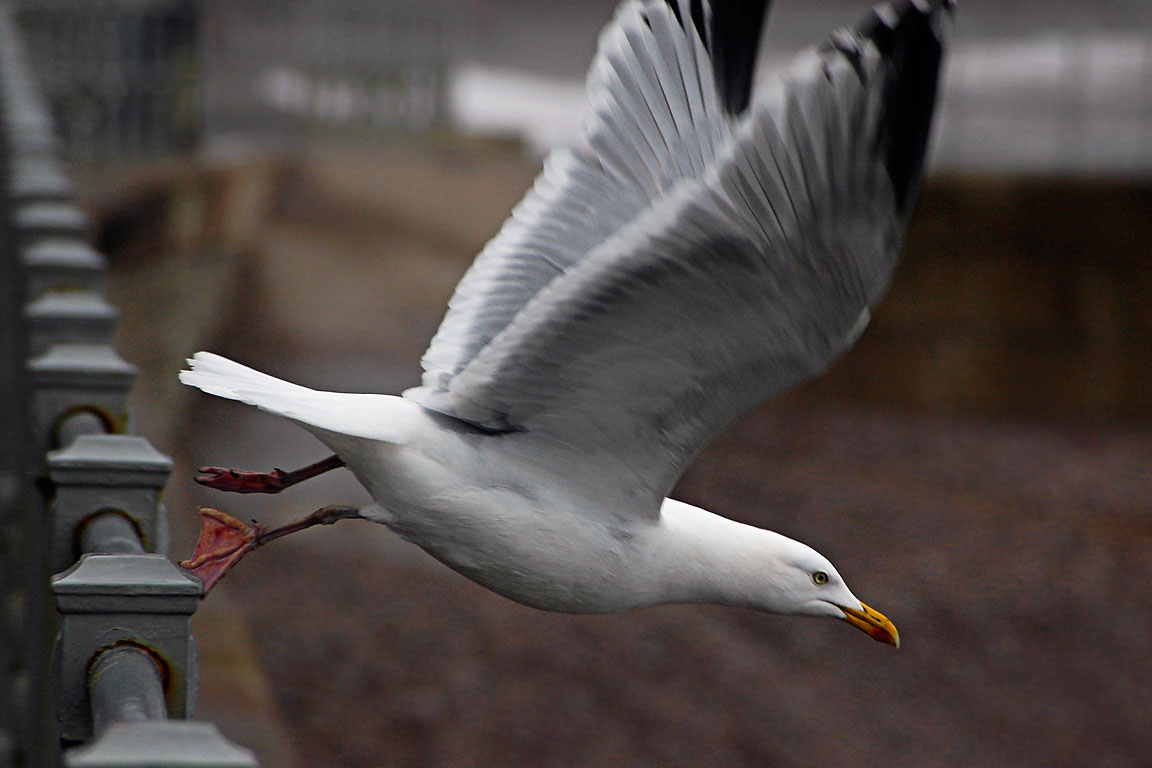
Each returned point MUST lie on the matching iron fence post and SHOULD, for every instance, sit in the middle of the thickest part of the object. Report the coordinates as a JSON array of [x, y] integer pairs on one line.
[[123, 675], [36, 176], [160, 744], [110, 600], [38, 220], [71, 378], [129, 716], [62, 264], [57, 317], [106, 474]]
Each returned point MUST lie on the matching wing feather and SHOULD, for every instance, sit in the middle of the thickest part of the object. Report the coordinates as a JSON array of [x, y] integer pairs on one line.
[[729, 287], [654, 119]]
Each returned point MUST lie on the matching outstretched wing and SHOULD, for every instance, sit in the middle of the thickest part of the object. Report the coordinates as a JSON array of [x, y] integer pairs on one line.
[[667, 80], [732, 286]]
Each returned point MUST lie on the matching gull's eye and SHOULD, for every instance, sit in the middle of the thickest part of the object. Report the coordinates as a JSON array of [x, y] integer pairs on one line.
[[820, 577]]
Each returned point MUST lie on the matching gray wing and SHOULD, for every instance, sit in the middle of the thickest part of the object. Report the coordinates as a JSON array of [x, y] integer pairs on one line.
[[732, 286], [660, 104]]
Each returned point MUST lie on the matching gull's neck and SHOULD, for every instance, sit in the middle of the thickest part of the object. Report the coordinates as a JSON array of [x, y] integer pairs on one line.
[[700, 557]]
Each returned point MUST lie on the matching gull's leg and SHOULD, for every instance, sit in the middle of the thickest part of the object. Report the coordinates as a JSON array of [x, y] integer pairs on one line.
[[234, 481], [323, 516], [224, 540]]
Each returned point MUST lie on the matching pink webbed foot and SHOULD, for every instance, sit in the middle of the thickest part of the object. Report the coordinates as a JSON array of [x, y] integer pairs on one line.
[[224, 540]]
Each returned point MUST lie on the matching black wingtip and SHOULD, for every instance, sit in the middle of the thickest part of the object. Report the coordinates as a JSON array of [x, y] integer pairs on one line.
[[734, 41], [907, 34], [731, 32]]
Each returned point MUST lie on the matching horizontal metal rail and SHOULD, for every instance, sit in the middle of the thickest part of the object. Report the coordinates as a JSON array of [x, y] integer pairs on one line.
[[127, 686], [110, 533], [79, 494]]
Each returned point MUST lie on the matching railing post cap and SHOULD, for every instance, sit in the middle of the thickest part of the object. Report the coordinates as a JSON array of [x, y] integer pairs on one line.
[[54, 217], [126, 584], [82, 305], [31, 128], [161, 744], [62, 262], [69, 316], [78, 363], [67, 252], [32, 135], [39, 177], [118, 460], [105, 600]]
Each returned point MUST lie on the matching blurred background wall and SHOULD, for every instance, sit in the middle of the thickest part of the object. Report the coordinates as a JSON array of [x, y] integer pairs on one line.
[[1041, 162], [300, 183]]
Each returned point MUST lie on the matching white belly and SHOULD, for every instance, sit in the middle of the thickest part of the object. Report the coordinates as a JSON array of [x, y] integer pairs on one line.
[[504, 525]]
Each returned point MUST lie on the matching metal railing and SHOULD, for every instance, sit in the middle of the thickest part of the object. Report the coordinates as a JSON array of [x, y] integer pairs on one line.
[[109, 677]]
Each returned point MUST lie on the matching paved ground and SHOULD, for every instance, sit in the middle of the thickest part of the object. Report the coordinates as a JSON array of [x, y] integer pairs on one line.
[[1014, 557]]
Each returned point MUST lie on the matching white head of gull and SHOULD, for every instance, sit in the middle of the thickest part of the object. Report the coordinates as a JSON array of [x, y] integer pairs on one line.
[[708, 245]]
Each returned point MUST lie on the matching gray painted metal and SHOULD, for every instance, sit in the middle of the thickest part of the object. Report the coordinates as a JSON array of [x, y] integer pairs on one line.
[[110, 533], [126, 685], [38, 220], [161, 744], [125, 661], [105, 600], [129, 715], [105, 473], [57, 317], [77, 377], [24, 626], [39, 177], [78, 424], [62, 264], [12, 488]]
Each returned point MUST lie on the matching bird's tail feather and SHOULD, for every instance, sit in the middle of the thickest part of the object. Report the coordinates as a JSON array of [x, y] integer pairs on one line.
[[360, 415], [222, 377]]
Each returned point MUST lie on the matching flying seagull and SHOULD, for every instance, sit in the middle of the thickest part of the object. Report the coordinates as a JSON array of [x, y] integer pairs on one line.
[[707, 245]]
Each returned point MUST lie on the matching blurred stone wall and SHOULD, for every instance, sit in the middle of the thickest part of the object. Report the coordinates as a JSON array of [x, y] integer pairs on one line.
[[1016, 297], [178, 235]]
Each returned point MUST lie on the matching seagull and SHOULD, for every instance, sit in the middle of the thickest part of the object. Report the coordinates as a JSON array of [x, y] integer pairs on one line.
[[706, 245]]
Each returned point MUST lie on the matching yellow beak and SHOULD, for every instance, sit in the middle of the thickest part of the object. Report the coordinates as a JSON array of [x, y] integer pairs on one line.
[[874, 623]]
